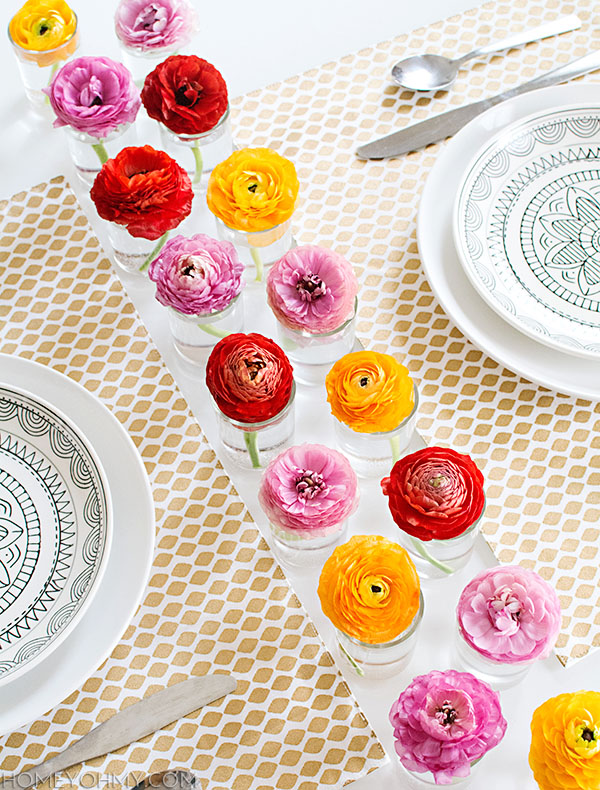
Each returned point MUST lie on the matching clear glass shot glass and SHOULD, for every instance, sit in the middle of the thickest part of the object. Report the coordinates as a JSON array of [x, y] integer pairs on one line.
[[382, 660], [251, 445], [312, 355], [374, 454], [301, 549], [497, 674], [258, 251], [141, 62], [132, 254], [421, 781], [89, 153], [194, 335]]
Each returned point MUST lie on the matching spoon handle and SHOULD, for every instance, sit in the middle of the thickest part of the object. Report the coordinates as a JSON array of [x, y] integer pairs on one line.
[[561, 25]]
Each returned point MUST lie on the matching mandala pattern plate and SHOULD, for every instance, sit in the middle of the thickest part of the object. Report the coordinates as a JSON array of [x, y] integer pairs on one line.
[[527, 227], [55, 527]]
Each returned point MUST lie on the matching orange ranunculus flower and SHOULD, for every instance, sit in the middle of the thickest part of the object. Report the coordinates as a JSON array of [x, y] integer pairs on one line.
[[41, 27], [369, 589], [254, 189], [565, 742], [370, 392]]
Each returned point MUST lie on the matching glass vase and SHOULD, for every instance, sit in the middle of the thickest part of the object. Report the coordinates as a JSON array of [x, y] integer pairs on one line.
[[301, 549], [436, 559], [131, 253], [141, 62], [385, 659], [312, 355], [497, 674], [258, 251], [199, 153], [194, 335], [251, 445], [89, 153], [420, 781], [38, 69], [374, 454]]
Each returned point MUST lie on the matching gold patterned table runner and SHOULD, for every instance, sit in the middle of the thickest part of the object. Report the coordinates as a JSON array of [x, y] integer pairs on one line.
[[216, 600], [539, 450]]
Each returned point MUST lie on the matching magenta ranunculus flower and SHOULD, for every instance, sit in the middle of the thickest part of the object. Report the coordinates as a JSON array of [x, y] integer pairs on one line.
[[94, 95], [444, 721], [197, 275], [509, 614], [308, 490], [154, 24], [312, 289]]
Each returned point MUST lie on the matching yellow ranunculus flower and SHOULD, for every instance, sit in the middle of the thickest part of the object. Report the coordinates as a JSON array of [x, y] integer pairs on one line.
[[253, 190], [565, 742], [42, 26], [370, 392]]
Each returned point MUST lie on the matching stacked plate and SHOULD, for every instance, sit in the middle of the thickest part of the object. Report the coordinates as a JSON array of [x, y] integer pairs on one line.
[[76, 537], [510, 237]]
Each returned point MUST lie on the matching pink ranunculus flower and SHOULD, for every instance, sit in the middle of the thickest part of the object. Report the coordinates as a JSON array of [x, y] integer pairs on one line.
[[312, 289], [197, 275], [308, 490], [509, 614], [94, 95], [154, 24], [444, 721]]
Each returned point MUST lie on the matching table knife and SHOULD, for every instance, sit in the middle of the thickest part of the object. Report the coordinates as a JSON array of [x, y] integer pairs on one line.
[[448, 123], [129, 725]]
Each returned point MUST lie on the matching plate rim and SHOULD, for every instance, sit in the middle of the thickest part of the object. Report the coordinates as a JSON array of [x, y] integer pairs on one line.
[[551, 340]]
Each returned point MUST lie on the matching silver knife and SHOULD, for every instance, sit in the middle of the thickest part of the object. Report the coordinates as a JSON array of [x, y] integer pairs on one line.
[[448, 123], [129, 725]]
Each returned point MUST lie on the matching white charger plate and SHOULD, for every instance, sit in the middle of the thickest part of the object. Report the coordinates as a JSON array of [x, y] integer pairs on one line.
[[92, 640], [535, 361]]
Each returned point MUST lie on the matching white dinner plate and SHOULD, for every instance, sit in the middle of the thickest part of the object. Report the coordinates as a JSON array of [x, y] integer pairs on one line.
[[92, 640], [527, 226], [55, 529], [535, 361]]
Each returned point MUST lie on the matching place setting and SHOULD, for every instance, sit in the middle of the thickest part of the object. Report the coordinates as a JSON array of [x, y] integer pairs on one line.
[[297, 449]]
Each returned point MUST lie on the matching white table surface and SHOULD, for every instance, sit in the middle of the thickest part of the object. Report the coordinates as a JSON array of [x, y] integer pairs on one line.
[[250, 43]]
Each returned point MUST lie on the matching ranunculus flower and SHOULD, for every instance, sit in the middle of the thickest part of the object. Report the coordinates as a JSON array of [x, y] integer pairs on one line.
[[197, 275], [94, 95], [370, 392], [42, 26], [444, 721], [144, 190], [308, 490], [312, 289], [249, 377], [186, 94], [154, 24], [435, 493], [253, 190], [565, 742], [509, 614], [369, 589]]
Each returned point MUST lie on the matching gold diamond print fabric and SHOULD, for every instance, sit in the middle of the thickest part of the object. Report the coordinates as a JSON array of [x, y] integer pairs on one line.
[[539, 450], [216, 599]]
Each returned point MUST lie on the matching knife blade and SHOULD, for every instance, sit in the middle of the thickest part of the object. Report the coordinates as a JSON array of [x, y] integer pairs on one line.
[[448, 123], [131, 724]]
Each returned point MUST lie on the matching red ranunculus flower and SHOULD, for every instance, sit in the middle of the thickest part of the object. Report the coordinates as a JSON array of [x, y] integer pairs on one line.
[[249, 377], [143, 189], [435, 493], [186, 94]]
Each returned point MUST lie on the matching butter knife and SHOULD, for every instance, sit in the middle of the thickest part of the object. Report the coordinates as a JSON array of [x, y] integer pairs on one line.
[[448, 123], [129, 725]]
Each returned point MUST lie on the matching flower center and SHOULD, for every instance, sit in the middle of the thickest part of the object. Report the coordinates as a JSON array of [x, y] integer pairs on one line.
[[439, 481], [187, 96], [254, 366], [43, 27], [446, 714], [364, 381], [310, 484], [252, 188], [310, 287], [504, 610], [587, 734], [150, 18], [91, 94]]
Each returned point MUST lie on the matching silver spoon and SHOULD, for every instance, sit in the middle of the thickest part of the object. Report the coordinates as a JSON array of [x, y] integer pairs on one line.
[[435, 72]]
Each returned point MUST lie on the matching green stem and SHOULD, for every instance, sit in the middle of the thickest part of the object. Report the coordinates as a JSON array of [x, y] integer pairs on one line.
[[359, 670], [199, 163], [429, 557], [212, 330], [258, 263], [160, 244], [101, 151], [250, 442], [395, 445], [53, 71]]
